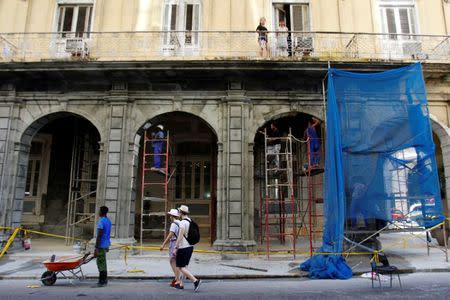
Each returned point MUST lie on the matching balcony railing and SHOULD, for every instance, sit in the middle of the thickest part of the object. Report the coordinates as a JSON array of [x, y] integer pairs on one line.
[[219, 45]]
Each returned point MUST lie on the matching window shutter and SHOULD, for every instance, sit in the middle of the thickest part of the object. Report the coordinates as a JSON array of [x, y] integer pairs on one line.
[[305, 13], [404, 21], [390, 18]]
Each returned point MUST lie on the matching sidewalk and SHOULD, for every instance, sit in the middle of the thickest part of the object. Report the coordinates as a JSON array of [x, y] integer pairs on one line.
[[412, 257]]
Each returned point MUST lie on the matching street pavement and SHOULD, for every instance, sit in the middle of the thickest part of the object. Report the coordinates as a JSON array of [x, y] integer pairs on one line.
[[415, 286]]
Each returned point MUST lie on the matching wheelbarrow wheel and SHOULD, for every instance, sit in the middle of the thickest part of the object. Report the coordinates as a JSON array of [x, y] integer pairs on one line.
[[48, 278]]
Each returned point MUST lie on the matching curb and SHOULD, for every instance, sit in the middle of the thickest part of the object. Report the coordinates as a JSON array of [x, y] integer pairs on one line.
[[230, 277]]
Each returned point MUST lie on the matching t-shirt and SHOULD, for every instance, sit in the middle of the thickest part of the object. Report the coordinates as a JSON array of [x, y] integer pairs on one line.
[[262, 30], [105, 224], [185, 225], [175, 228]]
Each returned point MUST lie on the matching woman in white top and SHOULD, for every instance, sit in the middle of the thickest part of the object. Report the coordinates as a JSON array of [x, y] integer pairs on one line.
[[171, 239], [282, 39]]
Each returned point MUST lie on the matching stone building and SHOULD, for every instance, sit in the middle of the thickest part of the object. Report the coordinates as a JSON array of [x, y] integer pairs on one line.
[[80, 78]]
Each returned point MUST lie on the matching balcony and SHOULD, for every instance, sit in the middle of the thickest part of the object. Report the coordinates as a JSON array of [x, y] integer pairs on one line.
[[223, 45]]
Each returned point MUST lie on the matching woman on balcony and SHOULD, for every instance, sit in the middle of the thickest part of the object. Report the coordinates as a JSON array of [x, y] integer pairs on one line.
[[282, 39], [262, 37]]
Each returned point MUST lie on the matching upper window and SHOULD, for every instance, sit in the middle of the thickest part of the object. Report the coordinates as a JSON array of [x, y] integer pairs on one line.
[[182, 16], [398, 17], [74, 19], [295, 16]]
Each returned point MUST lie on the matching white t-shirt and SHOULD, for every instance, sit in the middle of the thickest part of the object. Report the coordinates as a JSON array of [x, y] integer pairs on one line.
[[185, 225], [175, 228]]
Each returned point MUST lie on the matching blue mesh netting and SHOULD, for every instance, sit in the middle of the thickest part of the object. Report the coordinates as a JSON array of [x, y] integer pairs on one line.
[[379, 155]]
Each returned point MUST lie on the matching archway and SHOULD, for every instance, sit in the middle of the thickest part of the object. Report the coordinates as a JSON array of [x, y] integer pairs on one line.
[[191, 176], [56, 186], [307, 191]]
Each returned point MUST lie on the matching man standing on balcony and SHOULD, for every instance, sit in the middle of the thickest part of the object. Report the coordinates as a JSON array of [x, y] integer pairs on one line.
[[262, 37]]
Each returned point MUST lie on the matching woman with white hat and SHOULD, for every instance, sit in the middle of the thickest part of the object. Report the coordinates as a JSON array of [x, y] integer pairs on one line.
[[171, 239]]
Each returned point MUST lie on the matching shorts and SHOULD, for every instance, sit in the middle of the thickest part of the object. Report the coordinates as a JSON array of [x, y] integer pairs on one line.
[[262, 43], [183, 257]]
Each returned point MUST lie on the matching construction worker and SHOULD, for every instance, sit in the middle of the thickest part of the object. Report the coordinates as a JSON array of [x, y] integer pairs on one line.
[[274, 145], [157, 145], [313, 142]]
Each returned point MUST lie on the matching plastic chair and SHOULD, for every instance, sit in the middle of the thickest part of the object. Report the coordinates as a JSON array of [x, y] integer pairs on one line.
[[384, 269]]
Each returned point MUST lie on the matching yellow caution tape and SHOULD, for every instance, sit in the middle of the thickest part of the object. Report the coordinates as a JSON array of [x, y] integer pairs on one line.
[[9, 242], [126, 248]]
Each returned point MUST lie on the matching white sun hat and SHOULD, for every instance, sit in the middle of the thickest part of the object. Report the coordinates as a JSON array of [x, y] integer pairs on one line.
[[184, 208], [173, 212], [160, 127]]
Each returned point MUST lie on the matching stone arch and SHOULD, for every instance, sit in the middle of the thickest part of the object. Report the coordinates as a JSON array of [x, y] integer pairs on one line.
[[164, 118], [262, 119], [207, 118], [26, 128], [26, 132], [443, 133]]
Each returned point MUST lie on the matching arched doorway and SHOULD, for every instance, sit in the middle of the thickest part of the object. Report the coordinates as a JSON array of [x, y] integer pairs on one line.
[[307, 191], [59, 155], [191, 175]]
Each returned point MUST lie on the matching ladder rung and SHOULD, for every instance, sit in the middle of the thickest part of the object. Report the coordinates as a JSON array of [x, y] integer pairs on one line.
[[153, 229], [153, 154], [154, 199], [277, 169], [154, 183], [155, 214], [280, 234], [279, 184]]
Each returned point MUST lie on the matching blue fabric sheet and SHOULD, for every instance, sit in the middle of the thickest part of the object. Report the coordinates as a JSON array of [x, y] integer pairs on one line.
[[379, 157]]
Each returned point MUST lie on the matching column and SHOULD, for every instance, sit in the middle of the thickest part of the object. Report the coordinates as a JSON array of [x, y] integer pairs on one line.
[[235, 215]]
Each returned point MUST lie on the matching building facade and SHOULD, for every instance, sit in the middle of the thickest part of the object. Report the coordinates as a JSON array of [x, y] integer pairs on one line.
[[80, 78]]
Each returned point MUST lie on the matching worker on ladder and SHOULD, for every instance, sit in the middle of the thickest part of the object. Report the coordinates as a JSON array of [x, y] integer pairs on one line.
[[274, 145], [313, 142], [157, 145]]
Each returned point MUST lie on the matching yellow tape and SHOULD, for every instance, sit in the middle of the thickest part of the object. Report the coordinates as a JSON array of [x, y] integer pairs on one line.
[[126, 248], [10, 241]]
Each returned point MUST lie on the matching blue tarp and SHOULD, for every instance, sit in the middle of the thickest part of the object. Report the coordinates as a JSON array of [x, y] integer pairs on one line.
[[379, 155]]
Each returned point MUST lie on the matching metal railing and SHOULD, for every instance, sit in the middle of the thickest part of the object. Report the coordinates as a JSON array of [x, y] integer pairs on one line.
[[218, 45]]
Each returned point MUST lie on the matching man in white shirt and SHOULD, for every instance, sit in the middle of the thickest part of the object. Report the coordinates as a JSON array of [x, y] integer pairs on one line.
[[184, 250]]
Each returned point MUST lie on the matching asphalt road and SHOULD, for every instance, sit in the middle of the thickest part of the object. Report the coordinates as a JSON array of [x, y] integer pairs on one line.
[[415, 286]]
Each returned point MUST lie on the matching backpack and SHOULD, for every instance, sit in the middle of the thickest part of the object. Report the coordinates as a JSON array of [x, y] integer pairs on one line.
[[193, 236]]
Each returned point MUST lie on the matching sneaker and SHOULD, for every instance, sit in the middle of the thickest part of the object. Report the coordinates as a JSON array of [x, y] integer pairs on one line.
[[179, 287], [197, 285], [172, 284], [154, 169], [161, 170]]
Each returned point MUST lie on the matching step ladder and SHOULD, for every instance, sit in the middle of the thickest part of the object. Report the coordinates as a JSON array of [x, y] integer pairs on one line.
[[154, 189]]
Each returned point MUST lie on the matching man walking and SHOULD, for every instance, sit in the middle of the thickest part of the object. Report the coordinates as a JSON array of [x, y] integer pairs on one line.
[[102, 245], [184, 250]]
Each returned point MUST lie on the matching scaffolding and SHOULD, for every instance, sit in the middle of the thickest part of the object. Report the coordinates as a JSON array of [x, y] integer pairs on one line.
[[154, 188], [311, 193], [291, 194], [82, 186]]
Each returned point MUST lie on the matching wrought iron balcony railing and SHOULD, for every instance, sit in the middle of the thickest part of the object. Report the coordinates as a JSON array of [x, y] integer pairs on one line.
[[219, 45]]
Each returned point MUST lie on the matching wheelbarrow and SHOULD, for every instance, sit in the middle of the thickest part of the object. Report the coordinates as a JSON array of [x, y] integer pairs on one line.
[[68, 266]]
